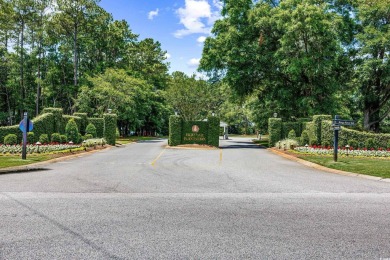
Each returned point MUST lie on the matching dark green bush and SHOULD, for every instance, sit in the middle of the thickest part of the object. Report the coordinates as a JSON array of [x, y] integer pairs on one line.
[[326, 144], [55, 138], [59, 126], [83, 121], [304, 138], [99, 124], [79, 139], [353, 143], [292, 134], [370, 143], [77, 119], [44, 139], [110, 125], [288, 126], [274, 130], [88, 136], [175, 128], [10, 139], [63, 139], [213, 131], [30, 137], [5, 130], [44, 124], [72, 131], [91, 129]]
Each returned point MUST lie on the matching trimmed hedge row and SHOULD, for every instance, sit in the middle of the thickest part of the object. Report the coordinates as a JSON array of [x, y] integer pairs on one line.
[[43, 124], [175, 130], [6, 130], [353, 137], [288, 126], [52, 121], [187, 129], [99, 124], [274, 130], [317, 119], [213, 131], [59, 126], [83, 122], [110, 128]]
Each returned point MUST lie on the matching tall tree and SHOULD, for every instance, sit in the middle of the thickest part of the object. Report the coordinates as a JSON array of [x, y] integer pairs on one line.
[[373, 61]]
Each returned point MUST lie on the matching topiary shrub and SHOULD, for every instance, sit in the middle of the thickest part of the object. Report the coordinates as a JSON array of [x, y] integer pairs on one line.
[[91, 129], [30, 137], [83, 121], [88, 136], [175, 128], [56, 138], [99, 124], [388, 145], [10, 139], [353, 143], [326, 143], [44, 139], [370, 143], [274, 130], [304, 138], [213, 131], [71, 131], [110, 128], [63, 139], [79, 139], [292, 134]]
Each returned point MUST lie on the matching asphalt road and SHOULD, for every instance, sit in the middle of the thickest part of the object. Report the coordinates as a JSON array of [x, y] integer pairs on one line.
[[143, 201]]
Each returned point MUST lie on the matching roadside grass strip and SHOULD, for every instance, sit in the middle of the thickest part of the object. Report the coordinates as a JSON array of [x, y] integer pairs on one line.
[[378, 167]]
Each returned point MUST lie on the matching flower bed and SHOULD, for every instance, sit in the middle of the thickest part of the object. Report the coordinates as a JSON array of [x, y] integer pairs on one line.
[[381, 152], [33, 148]]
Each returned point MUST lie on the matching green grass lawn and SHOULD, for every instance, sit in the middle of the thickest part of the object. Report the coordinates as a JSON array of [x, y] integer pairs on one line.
[[16, 160], [369, 166], [9, 160]]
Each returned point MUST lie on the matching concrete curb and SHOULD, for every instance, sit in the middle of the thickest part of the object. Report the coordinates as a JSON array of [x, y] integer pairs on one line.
[[39, 166], [323, 168]]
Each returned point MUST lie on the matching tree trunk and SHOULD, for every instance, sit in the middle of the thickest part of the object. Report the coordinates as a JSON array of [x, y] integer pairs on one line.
[[371, 115], [75, 54]]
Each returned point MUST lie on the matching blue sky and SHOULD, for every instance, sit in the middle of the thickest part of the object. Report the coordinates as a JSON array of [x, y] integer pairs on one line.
[[179, 25]]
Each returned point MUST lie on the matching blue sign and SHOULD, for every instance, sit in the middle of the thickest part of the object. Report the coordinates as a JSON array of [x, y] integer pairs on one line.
[[22, 126]]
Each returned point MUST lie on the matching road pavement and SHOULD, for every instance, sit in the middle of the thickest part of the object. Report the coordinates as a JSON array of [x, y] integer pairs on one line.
[[144, 201]]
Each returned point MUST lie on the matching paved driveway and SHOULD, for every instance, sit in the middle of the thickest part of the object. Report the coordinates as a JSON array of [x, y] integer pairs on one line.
[[142, 201]]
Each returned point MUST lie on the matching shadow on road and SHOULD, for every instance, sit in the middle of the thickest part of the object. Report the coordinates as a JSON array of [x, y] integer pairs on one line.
[[240, 145]]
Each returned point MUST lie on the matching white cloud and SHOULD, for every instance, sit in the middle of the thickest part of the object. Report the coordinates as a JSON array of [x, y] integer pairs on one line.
[[193, 63], [191, 17], [168, 56], [152, 14], [201, 39]]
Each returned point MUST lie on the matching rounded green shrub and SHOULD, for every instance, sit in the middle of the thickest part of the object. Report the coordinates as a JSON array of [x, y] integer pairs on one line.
[[71, 130], [30, 137], [56, 138], [63, 139], [44, 139], [90, 129], [326, 143], [79, 139], [353, 143], [292, 134], [370, 143], [10, 139], [88, 136], [305, 137]]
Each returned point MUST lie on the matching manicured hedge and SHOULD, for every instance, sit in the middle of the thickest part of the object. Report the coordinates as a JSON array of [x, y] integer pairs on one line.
[[77, 119], [274, 130], [43, 124], [91, 129], [317, 119], [213, 131], [59, 126], [110, 124], [288, 126], [84, 121], [99, 124], [5, 130], [347, 135], [175, 128], [72, 131]]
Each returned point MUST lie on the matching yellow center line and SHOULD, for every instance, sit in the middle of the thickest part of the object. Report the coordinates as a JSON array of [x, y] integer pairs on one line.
[[158, 157]]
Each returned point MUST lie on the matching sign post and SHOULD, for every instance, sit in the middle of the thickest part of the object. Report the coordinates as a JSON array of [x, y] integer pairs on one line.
[[336, 124], [25, 126]]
